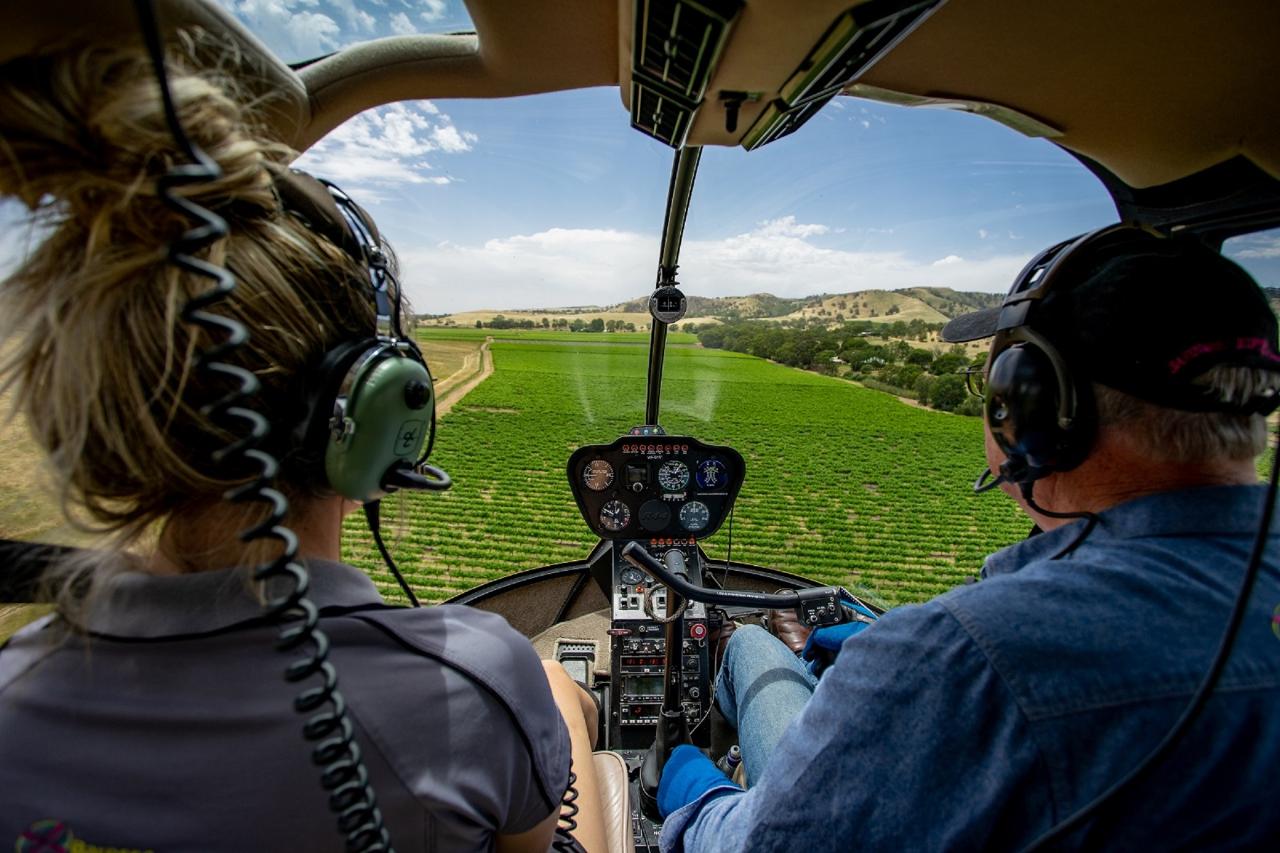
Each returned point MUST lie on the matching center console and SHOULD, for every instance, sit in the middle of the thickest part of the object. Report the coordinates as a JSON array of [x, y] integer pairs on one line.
[[662, 494]]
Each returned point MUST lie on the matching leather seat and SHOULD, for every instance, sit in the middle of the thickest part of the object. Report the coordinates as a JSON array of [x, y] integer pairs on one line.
[[787, 627], [615, 799]]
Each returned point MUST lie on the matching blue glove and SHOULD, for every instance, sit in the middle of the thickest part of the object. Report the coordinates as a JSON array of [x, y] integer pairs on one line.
[[687, 775], [824, 643]]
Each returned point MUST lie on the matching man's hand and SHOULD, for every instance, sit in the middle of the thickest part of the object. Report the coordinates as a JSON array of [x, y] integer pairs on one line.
[[824, 644], [687, 775]]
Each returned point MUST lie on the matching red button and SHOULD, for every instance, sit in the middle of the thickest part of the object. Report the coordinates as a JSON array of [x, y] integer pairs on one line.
[[697, 630]]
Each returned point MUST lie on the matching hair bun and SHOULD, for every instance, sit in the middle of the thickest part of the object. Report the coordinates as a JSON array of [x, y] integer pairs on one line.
[[86, 129]]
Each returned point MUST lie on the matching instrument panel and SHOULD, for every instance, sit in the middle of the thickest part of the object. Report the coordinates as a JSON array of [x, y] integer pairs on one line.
[[655, 487]]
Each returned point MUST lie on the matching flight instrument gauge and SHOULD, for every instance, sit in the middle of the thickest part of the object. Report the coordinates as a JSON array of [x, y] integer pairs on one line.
[[694, 516], [614, 516], [673, 475], [598, 475], [667, 304], [712, 474], [632, 575]]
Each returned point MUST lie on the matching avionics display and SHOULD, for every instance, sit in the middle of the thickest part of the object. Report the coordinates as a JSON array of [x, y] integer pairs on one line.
[[642, 685], [655, 487]]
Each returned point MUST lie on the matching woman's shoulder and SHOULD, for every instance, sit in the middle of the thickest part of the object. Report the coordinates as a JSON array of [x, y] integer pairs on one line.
[[468, 679], [481, 644]]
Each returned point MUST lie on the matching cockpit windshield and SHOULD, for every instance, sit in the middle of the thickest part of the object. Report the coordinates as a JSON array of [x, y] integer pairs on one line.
[[528, 231]]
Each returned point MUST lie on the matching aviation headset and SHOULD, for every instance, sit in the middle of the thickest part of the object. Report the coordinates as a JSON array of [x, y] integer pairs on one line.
[[1041, 412], [369, 419]]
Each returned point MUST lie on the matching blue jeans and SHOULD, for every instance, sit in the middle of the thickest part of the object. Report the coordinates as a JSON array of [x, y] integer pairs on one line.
[[763, 686]]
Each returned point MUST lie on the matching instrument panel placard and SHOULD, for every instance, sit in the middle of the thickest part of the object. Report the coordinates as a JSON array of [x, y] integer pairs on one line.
[[654, 487]]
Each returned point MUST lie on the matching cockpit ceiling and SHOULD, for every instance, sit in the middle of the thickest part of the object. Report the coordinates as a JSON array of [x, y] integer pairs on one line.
[[1154, 90]]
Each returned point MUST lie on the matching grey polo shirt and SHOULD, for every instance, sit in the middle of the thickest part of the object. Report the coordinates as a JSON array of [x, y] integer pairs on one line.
[[171, 728]]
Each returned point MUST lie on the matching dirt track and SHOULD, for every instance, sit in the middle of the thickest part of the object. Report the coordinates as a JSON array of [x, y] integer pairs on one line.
[[475, 369]]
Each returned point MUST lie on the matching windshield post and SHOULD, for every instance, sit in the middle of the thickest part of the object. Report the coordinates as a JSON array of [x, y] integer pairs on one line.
[[683, 172]]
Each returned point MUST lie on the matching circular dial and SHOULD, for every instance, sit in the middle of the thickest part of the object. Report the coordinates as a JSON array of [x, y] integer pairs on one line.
[[694, 516], [632, 575], [655, 515], [598, 475], [614, 515], [712, 474], [673, 475], [668, 304]]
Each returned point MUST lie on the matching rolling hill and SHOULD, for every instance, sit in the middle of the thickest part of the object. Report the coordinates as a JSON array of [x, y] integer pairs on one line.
[[930, 304]]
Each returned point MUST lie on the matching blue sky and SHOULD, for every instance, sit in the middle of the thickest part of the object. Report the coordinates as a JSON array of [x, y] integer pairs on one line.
[[554, 200]]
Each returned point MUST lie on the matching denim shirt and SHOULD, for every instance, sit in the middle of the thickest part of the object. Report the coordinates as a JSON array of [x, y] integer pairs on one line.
[[984, 717]]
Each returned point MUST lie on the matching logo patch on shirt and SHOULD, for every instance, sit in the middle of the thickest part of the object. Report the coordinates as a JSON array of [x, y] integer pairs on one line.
[[54, 836]]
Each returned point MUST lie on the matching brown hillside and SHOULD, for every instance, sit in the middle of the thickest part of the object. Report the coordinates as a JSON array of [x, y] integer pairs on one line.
[[885, 306]]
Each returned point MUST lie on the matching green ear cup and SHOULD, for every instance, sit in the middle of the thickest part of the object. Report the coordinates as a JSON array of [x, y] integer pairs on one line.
[[387, 416]]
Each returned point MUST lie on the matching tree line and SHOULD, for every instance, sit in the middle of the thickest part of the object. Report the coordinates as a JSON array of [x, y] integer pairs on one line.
[[560, 323], [932, 376]]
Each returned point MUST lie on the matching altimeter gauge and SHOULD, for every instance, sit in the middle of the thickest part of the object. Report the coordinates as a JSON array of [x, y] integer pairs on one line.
[[673, 475], [694, 516], [597, 475], [614, 516]]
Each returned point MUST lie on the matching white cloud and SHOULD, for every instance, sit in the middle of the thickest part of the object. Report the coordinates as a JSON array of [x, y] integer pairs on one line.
[[562, 266], [786, 226], [448, 138], [1256, 246], [433, 10], [983, 233], [401, 25], [357, 19], [286, 28], [387, 146], [555, 267]]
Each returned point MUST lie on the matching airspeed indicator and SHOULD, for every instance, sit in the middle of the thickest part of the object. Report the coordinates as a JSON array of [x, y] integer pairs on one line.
[[597, 475], [694, 516], [673, 475]]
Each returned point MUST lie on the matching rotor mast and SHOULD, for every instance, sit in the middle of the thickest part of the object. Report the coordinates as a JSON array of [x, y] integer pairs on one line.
[[683, 172]]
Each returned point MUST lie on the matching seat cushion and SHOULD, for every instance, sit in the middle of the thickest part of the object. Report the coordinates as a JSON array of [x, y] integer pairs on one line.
[[615, 799]]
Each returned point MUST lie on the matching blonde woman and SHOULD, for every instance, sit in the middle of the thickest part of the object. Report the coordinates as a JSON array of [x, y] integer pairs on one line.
[[150, 711]]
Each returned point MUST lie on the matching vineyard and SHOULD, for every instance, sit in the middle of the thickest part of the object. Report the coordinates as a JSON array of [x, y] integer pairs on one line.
[[843, 485]]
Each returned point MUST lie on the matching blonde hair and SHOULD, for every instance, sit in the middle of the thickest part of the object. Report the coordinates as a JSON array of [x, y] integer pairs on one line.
[[96, 353]]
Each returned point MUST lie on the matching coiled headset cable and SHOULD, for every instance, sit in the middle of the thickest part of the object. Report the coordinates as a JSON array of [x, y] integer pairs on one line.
[[563, 841], [328, 725]]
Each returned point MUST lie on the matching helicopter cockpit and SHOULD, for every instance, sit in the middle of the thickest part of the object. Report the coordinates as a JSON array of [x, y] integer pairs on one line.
[[1181, 140]]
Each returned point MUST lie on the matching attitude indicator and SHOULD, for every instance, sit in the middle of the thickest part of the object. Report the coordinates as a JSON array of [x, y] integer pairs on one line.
[[712, 474]]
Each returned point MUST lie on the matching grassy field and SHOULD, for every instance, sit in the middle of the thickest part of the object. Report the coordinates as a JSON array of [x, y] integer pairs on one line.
[[843, 484]]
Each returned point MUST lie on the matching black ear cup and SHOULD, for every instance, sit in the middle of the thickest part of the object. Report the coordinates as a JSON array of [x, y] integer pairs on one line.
[[1034, 412]]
